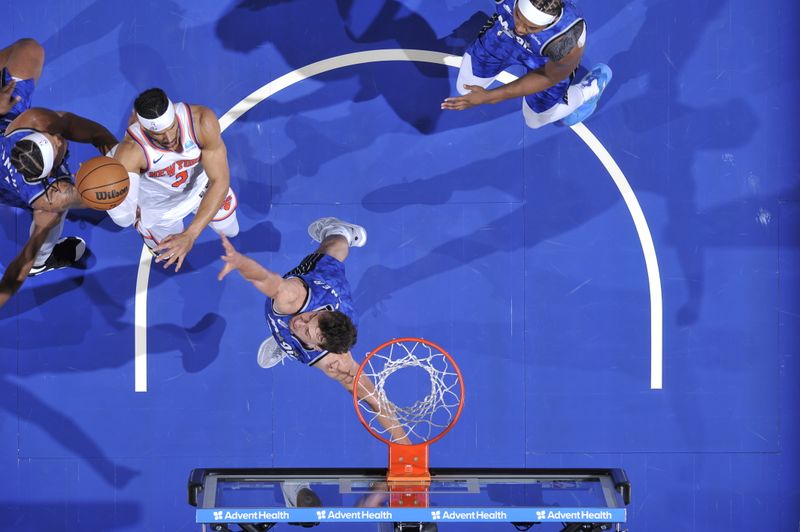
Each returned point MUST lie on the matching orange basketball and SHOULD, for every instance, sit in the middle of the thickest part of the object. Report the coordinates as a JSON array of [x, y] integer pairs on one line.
[[102, 183]]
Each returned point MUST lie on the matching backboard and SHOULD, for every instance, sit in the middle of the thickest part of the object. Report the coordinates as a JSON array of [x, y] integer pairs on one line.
[[255, 499]]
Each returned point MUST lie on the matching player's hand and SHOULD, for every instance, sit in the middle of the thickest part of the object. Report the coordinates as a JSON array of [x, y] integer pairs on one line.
[[174, 249], [477, 96], [7, 98], [104, 148], [231, 258]]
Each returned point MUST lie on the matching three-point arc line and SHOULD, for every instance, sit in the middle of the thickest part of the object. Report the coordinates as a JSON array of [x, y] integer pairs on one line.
[[422, 56]]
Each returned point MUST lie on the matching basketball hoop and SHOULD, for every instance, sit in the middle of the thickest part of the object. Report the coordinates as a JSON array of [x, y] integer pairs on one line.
[[388, 404]]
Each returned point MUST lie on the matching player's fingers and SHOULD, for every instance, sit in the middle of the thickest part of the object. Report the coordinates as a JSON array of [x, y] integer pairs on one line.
[[180, 263], [473, 88], [225, 271], [227, 245], [171, 257]]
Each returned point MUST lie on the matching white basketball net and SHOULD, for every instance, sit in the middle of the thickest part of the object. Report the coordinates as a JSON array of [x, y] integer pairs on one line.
[[425, 418]]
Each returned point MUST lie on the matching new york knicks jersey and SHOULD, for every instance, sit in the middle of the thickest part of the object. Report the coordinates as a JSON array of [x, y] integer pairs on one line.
[[173, 181]]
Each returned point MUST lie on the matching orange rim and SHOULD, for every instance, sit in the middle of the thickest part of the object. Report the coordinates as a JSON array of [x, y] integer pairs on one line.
[[397, 341]]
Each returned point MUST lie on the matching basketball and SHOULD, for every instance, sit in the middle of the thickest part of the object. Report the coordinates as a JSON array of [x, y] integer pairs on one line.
[[102, 183]]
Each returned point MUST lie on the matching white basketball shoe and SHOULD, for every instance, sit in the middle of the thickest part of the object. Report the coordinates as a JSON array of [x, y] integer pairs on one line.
[[324, 227], [270, 353]]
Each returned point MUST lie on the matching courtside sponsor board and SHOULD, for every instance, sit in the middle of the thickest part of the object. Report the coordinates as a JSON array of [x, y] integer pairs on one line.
[[418, 515]]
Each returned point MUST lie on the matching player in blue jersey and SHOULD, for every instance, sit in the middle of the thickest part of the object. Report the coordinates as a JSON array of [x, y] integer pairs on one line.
[[34, 174], [309, 310], [547, 37], [20, 67]]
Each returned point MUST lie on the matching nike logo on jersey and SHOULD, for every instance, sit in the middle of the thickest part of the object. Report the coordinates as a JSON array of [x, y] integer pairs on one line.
[[156, 160]]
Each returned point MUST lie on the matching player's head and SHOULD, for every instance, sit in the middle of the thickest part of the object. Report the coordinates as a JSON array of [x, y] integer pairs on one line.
[[156, 114], [36, 154], [329, 330], [533, 16]]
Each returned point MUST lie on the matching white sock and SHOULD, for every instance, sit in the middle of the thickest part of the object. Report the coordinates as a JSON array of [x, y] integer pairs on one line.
[[49, 243], [591, 90]]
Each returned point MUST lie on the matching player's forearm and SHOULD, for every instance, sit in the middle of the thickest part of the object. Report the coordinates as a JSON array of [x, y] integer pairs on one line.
[[530, 83], [67, 197], [266, 281], [19, 268], [385, 412], [212, 201], [87, 131], [13, 277]]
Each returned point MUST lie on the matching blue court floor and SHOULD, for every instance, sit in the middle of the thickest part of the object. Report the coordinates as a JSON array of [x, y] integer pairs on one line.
[[586, 339]]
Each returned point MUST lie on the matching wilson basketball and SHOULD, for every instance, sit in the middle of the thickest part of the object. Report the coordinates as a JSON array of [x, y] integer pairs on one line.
[[102, 183]]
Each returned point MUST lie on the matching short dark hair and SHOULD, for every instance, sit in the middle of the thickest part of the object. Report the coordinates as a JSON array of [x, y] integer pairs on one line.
[[26, 156], [338, 331], [152, 103], [551, 7]]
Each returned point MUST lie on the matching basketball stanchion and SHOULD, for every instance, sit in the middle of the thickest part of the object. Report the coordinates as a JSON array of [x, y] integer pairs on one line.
[[409, 393]]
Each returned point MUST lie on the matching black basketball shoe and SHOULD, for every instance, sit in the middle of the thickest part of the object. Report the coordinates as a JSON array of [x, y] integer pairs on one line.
[[67, 252]]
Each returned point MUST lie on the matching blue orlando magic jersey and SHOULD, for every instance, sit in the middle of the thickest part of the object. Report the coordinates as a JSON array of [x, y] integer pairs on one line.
[[14, 190], [508, 47], [328, 289]]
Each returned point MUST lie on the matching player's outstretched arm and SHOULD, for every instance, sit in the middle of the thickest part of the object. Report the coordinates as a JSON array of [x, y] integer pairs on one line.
[[61, 196], [18, 269], [535, 81], [214, 156], [342, 367], [283, 292], [75, 128]]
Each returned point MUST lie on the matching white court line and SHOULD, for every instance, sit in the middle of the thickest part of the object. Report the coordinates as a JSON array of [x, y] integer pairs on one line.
[[140, 322], [426, 56]]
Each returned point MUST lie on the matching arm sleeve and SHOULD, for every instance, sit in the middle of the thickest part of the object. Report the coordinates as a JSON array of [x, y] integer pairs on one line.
[[561, 47]]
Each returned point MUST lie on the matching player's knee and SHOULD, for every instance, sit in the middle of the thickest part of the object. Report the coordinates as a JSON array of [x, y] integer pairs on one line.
[[31, 48], [29, 44], [228, 227], [460, 86], [533, 123], [533, 119]]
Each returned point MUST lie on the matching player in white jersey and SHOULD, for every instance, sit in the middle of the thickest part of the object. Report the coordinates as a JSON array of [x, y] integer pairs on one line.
[[178, 165]]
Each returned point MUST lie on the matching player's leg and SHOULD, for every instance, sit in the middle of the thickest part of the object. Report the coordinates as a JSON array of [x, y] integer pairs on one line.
[[467, 74], [336, 237], [20, 68], [541, 109], [479, 66], [299, 495], [17, 271], [225, 221], [153, 227], [591, 87], [56, 252], [569, 103], [23, 59]]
